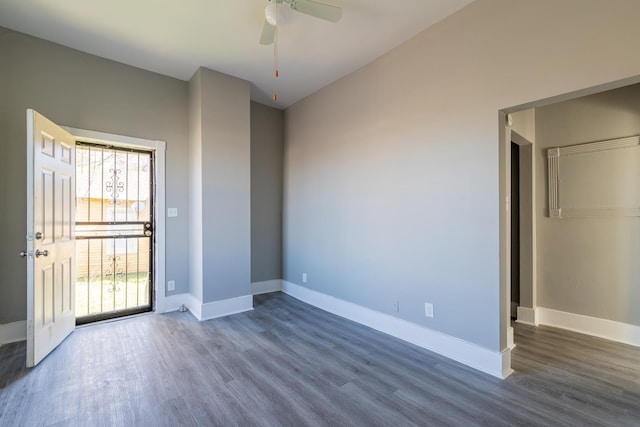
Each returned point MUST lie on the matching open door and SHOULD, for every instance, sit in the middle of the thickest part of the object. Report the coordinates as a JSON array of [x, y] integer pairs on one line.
[[50, 236]]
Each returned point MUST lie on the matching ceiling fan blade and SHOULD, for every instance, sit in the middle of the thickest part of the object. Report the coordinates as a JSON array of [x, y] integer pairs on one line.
[[268, 33], [317, 9]]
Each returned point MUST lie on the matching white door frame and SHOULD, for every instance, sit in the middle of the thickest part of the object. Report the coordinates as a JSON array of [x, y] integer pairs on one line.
[[507, 136], [159, 148], [528, 227], [504, 190]]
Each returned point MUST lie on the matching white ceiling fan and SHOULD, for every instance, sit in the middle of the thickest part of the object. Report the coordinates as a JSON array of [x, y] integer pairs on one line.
[[275, 13]]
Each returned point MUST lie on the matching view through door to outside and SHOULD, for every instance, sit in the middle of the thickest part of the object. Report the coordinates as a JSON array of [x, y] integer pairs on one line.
[[114, 232]]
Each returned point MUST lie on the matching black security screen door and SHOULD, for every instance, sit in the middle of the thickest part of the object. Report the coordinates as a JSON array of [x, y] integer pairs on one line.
[[114, 232]]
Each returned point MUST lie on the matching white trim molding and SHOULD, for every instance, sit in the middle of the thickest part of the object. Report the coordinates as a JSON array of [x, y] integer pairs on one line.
[[528, 316], [173, 302], [266, 287], [491, 362], [602, 328], [193, 304], [214, 309], [553, 161], [589, 209], [511, 343], [210, 310], [13, 332], [159, 149]]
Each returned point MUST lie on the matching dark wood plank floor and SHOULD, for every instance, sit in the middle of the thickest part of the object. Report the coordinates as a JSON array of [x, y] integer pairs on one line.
[[287, 363]]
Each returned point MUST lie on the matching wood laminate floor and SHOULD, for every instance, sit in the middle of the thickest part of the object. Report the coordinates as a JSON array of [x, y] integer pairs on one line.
[[287, 363]]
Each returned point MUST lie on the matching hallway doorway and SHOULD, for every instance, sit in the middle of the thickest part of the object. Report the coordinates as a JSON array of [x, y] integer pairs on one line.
[[515, 229]]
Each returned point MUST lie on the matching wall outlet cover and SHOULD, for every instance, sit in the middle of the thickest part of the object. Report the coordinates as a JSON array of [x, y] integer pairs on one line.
[[428, 309], [171, 285]]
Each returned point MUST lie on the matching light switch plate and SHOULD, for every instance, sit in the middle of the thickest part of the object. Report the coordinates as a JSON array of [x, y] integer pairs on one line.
[[428, 309], [172, 212]]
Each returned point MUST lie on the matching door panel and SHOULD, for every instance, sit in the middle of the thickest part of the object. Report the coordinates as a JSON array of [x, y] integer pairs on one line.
[[67, 282], [46, 295], [46, 211], [67, 200], [50, 236]]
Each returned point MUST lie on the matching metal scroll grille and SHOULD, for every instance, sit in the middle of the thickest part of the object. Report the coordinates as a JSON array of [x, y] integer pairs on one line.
[[114, 231]]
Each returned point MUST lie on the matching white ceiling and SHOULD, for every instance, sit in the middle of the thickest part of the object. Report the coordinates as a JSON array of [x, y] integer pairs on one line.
[[176, 37]]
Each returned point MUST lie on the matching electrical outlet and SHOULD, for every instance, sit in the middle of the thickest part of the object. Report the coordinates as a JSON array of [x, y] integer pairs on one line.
[[396, 306], [171, 285], [428, 309], [304, 277]]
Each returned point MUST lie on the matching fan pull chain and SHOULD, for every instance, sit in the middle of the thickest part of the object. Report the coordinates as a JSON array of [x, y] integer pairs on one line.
[[276, 74]]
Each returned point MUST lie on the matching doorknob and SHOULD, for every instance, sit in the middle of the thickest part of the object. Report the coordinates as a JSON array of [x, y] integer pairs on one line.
[[43, 253], [24, 254]]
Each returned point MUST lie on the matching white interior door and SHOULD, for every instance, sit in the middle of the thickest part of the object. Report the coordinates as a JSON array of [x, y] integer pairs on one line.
[[50, 236]]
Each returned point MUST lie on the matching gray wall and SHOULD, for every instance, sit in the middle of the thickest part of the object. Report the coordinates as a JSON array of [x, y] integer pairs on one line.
[[224, 145], [267, 138], [588, 266], [392, 173], [83, 91]]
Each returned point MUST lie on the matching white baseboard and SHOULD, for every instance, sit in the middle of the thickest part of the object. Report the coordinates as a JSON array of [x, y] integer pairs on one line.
[[528, 316], [13, 332], [173, 302], [193, 304], [511, 343], [494, 363], [226, 307], [266, 287], [214, 309], [209, 310], [603, 328]]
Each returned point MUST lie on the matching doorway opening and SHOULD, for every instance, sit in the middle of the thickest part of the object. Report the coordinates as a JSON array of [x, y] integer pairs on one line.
[[515, 229], [580, 126], [114, 232]]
